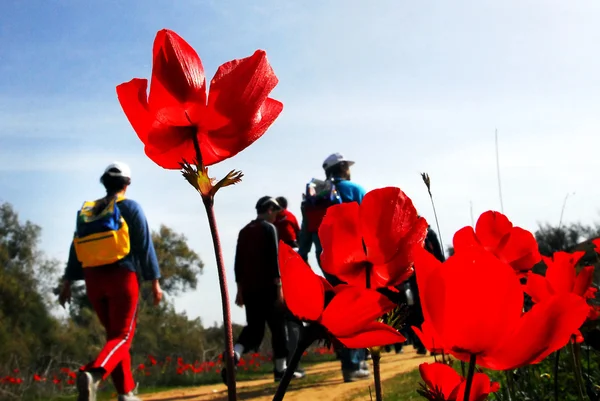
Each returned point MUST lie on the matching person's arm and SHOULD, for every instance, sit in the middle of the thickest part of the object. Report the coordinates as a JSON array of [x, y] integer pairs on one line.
[[73, 272], [237, 264], [273, 252], [141, 241], [237, 269]]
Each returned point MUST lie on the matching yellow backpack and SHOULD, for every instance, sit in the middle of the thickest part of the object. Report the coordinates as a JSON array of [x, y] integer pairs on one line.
[[101, 236]]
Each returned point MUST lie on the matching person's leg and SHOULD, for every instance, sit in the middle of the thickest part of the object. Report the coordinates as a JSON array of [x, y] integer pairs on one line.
[[318, 248], [279, 336], [351, 361], [304, 241], [89, 377], [252, 334], [294, 327], [122, 305]]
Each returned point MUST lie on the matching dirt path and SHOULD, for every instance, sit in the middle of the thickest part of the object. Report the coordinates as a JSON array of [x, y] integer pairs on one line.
[[323, 382]]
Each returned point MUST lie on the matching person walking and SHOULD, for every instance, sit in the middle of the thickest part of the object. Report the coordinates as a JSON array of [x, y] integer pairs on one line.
[[112, 244], [287, 224], [288, 230], [340, 185], [259, 287]]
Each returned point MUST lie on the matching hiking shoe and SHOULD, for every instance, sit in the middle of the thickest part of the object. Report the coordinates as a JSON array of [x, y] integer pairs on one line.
[[421, 351], [355, 375], [236, 360], [86, 386], [279, 375], [364, 365], [128, 397]]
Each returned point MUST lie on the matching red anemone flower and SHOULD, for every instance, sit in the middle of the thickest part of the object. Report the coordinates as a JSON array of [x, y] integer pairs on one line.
[[474, 304], [561, 278], [496, 234], [444, 384], [236, 112], [347, 313], [376, 239]]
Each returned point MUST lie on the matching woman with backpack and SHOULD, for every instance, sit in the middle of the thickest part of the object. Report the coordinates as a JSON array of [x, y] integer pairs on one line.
[[111, 246]]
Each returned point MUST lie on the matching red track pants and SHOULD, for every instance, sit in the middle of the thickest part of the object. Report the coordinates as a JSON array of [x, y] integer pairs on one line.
[[113, 291]]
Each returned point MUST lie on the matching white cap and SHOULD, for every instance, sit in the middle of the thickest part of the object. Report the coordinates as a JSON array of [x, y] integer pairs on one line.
[[123, 170], [334, 159]]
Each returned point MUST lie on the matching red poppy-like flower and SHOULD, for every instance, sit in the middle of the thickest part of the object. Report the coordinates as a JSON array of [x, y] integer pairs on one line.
[[141, 366], [376, 238], [444, 384], [496, 234], [474, 304], [236, 112], [38, 378], [152, 360], [348, 313], [561, 278]]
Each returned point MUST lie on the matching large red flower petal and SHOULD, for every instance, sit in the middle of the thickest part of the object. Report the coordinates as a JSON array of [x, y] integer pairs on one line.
[[481, 387], [596, 243], [239, 110], [428, 336], [303, 290], [178, 81], [373, 334], [561, 270], [546, 328], [133, 97], [352, 309], [387, 224], [426, 266], [465, 239], [537, 287], [441, 377], [584, 281], [180, 148], [165, 144], [483, 301], [223, 143], [495, 233], [343, 254], [520, 251], [492, 229]]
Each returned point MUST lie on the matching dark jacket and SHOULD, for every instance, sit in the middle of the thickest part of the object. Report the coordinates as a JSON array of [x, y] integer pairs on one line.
[[256, 257]]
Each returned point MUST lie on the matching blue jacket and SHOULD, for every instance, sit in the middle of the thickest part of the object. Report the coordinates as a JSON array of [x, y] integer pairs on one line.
[[142, 257], [349, 190]]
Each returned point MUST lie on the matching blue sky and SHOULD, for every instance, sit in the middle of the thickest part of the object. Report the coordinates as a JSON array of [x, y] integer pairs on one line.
[[399, 86]]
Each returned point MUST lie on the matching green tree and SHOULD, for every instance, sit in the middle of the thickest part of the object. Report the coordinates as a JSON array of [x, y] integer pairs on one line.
[[24, 306]]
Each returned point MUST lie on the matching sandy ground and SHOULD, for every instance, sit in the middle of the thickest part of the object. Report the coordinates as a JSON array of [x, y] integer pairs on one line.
[[331, 388]]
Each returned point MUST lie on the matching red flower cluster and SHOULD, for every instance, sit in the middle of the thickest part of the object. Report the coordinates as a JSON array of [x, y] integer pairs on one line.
[[178, 112], [473, 302], [561, 278]]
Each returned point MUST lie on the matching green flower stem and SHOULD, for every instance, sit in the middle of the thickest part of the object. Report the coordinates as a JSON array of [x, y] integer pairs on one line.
[[376, 356]]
